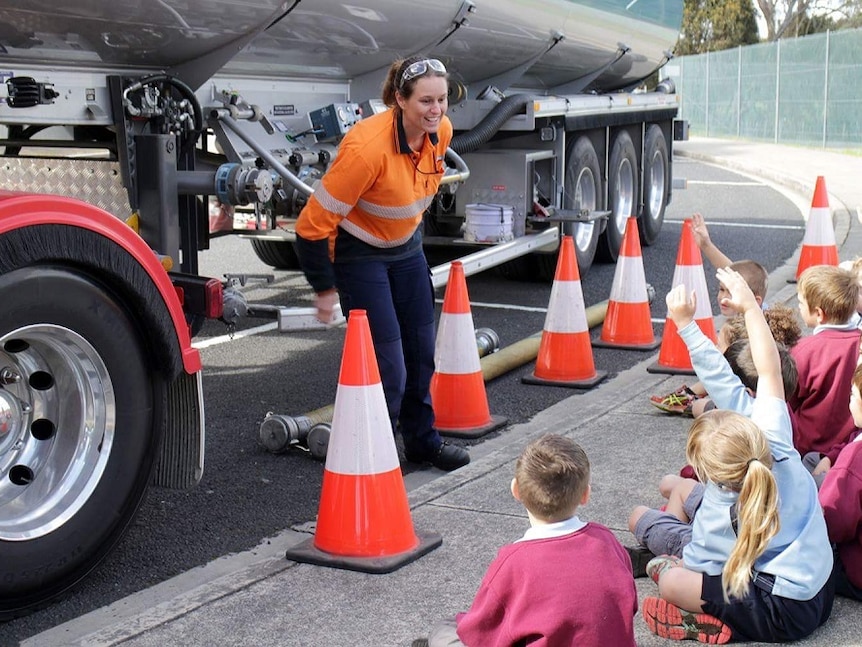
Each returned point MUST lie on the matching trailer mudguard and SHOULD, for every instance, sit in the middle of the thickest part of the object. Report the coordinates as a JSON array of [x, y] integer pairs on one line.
[[19, 210]]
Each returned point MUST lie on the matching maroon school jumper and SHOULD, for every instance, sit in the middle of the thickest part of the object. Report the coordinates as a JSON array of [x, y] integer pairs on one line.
[[575, 589], [821, 420], [841, 498]]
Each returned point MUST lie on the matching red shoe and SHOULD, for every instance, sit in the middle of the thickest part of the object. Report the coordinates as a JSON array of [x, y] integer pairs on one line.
[[669, 621]]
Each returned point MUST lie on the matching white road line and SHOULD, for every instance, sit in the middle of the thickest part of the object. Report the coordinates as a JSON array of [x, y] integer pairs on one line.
[[501, 306], [223, 339], [718, 183], [744, 225]]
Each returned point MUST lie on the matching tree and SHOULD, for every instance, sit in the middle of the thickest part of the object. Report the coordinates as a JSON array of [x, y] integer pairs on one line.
[[791, 18], [811, 24], [713, 25]]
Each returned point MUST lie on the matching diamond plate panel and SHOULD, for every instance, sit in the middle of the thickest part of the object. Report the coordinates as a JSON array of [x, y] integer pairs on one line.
[[95, 181]]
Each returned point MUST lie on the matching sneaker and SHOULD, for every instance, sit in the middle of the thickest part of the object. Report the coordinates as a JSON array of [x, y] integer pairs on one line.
[[669, 621], [658, 565], [447, 458], [639, 555], [678, 402], [419, 642]]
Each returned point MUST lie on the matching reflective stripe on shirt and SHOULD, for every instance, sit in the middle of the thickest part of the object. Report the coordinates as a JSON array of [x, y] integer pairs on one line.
[[328, 202], [396, 213], [365, 237]]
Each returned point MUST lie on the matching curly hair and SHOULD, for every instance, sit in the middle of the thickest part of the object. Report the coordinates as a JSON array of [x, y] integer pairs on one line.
[[783, 322]]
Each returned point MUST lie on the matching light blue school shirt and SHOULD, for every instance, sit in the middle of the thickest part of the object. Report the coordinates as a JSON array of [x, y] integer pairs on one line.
[[799, 556], [724, 387]]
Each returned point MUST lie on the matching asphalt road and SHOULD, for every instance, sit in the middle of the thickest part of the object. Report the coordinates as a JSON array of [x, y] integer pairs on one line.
[[248, 494]]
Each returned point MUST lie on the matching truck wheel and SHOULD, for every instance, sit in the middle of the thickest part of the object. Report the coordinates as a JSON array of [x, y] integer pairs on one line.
[[280, 254], [583, 191], [80, 426], [622, 195], [656, 184]]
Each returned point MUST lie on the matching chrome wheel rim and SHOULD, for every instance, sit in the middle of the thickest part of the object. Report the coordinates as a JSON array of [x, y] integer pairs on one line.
[[625, 196], [585, 200], [57, 423], [657, 184]]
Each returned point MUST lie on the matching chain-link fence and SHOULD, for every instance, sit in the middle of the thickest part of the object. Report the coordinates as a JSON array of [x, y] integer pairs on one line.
[[805, 91]]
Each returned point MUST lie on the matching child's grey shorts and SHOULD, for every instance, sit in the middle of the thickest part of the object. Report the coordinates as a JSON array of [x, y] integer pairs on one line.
[[665, 534]]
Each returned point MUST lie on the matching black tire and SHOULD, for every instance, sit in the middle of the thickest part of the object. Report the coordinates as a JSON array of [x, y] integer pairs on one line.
[[583, 190], [280, 254], [656, 165], [100, 414], [622, 195]]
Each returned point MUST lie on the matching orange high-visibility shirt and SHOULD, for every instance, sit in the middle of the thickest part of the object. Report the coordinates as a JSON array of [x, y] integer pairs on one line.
[[376, 189]]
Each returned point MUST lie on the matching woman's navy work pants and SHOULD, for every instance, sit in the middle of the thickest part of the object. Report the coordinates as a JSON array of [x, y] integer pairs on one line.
[[398, 298]]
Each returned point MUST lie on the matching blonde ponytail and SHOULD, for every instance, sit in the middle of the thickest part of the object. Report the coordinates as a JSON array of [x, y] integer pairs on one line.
[[758, 523]]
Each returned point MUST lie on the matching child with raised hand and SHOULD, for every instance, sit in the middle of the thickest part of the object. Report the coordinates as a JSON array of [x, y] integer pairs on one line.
[[566, 582], [840, 495], [758, 564], [693, 400]]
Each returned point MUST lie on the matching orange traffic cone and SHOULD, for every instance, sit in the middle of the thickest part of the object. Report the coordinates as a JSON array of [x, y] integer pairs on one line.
[[818, 244], [363, 520], [565, 355], [673, 357], [458, 386], [628, 323]]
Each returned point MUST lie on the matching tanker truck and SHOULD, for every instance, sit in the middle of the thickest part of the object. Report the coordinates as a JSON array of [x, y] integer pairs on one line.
[[122, 122]]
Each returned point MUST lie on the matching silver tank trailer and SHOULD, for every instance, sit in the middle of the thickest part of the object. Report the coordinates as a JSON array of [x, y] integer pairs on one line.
[[479, 40]]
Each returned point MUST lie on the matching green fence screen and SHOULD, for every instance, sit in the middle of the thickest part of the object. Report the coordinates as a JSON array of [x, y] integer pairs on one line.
[[805, 91]]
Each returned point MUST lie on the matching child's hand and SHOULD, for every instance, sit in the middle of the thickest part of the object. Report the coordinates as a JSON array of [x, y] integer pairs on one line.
[[741, 297], [680, 306], [698, 228]]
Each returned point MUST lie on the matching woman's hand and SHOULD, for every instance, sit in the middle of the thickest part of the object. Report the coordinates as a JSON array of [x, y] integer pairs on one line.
[[325, 303]]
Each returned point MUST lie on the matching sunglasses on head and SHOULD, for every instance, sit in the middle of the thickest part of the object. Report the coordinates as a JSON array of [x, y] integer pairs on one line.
[[419, 68]]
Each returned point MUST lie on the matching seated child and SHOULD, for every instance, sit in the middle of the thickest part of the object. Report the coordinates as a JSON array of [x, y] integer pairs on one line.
[[840, 495], [758, 563], [822, 425], [566, 582], [682, 401]]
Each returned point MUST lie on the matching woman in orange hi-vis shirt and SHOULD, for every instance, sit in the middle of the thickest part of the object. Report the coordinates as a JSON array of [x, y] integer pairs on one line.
[[369, 204]]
